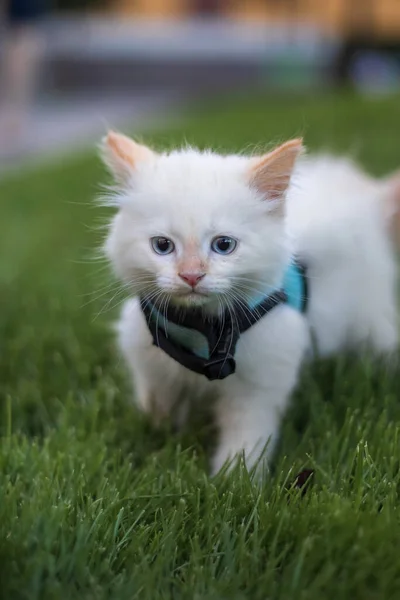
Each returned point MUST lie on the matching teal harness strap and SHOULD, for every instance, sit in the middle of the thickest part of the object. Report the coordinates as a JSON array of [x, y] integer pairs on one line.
[[295, 286], [193, 340], [207, 346]]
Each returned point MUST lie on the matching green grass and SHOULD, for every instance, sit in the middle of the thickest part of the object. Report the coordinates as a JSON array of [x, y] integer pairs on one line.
[[96, 504]]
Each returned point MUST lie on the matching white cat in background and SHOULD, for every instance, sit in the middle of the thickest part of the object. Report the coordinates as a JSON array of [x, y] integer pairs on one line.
[[174, 208]]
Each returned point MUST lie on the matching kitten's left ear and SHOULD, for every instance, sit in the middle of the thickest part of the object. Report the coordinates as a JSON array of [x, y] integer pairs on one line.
[[391, 205], [270, 174], [122, 155]]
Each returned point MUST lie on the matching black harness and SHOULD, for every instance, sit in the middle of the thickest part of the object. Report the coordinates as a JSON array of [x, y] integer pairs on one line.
[[221, 333]]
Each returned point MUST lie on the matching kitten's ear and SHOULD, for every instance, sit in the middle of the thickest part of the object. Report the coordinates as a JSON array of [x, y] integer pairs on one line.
[[270, 174], [121, 155], [392, 189], [391, 205]]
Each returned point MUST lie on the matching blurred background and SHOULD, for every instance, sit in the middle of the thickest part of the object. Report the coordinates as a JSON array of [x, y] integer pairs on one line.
[[70, 68]]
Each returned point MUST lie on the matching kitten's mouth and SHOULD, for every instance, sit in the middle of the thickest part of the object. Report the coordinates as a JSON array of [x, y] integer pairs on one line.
[[192, 292], [192, 297]]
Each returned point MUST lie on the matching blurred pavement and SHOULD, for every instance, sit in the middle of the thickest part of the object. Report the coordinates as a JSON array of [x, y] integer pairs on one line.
[[202, 54], [107, 72], [57, 126]]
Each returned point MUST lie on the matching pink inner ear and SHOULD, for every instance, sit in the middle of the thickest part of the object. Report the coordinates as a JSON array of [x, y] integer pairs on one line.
[[122, 148], [121, 154], [271, 173], [395, 190], [392, 205]]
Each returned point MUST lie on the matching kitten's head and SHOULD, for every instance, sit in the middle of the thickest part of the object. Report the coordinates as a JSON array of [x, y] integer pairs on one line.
[[196, 228]]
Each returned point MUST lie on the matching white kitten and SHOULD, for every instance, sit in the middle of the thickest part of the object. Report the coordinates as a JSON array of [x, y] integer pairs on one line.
[[165, 243]]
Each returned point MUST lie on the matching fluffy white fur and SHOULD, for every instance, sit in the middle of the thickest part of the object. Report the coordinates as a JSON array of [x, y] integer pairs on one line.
[[333, 218]]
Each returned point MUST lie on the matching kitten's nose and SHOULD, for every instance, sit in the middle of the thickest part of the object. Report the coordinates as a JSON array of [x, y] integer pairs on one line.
[[191, 278]]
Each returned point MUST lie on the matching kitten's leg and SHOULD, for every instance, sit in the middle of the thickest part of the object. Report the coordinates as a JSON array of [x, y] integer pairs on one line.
[[154, 374], [250, 409], [378, 320], [249, 424], [385, 340]]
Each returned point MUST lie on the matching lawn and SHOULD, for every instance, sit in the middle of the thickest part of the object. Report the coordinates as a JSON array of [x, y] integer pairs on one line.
[[94, 503]]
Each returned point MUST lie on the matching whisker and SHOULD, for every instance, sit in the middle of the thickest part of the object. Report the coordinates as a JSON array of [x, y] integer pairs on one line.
[[222, 326], [110, 289], [242, 299], [243, 342], [117, 286], [167, 301], [107, 304], [231, 342]]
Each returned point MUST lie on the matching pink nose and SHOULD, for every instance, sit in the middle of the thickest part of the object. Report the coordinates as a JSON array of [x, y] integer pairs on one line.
[[191, 278]]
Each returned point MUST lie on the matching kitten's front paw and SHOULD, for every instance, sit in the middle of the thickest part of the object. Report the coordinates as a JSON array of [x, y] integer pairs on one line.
[[222, 458], [156, 411], [159, 410], [226, 458]]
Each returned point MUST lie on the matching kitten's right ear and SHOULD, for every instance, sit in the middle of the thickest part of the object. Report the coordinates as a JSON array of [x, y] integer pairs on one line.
[[121, 155]]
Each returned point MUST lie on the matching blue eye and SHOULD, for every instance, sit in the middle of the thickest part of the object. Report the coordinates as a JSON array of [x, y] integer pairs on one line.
[[223, 245], [162, 245]]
